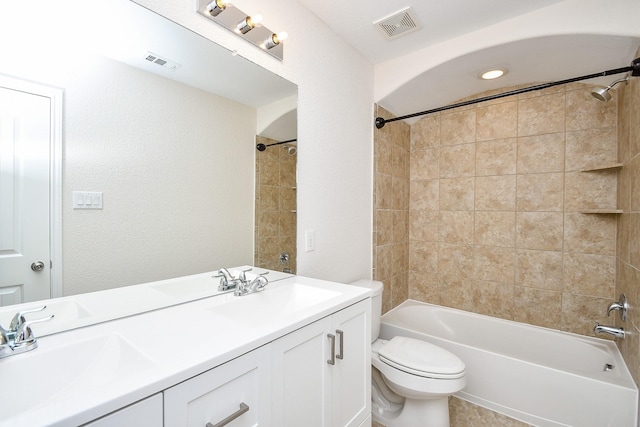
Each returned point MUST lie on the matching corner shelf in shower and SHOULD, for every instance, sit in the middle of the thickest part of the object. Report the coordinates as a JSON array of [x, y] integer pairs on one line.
[[609, 167], [601, 211]]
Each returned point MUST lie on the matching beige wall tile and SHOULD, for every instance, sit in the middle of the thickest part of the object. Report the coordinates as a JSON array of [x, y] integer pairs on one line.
[[384, 227], [539, 269], [455, 260], [423, 225], [495, 193], [423, 256], [493, 299], [541, 153], [457, 161], [423, 287], [539, 307], [425, 132], [458, 127], [400, 226], [585, 112], [497, 121], [494, 264], [495, 229], [589, 274], [592, 234], [590, 190], [496, 157], [423, 194], [580, 313], [540, 192], [399, 193], [543, 114], [456, 226], [424, 164], [457, 194], [455, 292], [539, 230], [384, 191], [591, 147]]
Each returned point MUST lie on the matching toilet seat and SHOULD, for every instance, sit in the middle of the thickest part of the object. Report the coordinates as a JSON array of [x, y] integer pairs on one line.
[[421, 358]]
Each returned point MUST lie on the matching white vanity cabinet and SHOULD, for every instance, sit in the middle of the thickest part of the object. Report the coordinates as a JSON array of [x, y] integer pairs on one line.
[[321, 372], [234, 393]]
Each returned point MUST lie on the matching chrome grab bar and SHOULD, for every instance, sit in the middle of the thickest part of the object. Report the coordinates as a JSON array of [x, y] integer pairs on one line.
[[243, 408]]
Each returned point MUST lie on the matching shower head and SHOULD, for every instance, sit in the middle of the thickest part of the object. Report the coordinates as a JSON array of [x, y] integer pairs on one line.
[[602, 93]]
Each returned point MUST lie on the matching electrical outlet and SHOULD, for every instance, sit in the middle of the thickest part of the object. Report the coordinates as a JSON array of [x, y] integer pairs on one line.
[[309, 240]]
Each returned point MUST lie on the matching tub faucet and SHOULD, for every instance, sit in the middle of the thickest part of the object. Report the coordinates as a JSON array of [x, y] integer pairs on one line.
[[611, 330]]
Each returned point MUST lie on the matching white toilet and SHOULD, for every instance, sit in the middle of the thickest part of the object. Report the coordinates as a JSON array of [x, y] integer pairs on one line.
[[412, 379]]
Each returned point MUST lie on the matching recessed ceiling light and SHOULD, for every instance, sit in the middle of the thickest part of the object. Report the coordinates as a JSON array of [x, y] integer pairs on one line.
[[493, 74]]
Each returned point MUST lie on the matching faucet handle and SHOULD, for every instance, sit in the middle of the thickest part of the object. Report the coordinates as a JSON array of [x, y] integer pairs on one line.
[[621, 306], [25, 334], [19, 318]]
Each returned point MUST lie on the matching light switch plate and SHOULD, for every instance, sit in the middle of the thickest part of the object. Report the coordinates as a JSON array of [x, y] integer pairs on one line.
[[87, 200]]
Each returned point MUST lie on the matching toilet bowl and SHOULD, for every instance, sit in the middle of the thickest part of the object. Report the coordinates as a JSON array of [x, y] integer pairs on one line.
[[411, 379]]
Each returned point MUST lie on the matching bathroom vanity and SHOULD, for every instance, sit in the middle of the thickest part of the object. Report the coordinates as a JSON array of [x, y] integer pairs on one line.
[[296, 353]]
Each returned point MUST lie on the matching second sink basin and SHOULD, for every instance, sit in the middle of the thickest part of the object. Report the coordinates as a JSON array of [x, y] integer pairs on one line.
[[54, 374]]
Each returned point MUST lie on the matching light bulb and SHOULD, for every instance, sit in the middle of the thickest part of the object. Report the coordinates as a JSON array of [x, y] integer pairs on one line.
[[249, 23], [216, 7], [275, 40]]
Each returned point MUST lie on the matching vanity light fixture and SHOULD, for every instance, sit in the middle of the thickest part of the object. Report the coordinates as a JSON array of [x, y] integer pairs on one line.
[[493, 74], [275, 39], [216, 7], [249, 23], [247, 26]]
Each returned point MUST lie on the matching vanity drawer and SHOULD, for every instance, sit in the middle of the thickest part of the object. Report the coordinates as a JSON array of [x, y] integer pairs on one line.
[[239, 388]]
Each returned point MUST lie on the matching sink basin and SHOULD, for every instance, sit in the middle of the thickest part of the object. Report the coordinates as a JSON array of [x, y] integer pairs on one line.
[[272, 303], [52, 375]]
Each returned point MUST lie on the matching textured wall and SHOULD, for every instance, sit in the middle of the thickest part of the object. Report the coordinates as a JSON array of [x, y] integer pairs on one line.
[[628, 248]]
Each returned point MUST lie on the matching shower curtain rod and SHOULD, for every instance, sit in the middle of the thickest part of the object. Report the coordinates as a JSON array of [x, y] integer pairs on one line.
[[262, 147], [634, 68]]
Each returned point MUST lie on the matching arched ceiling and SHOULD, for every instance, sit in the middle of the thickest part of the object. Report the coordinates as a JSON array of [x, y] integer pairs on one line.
[[537, 41]]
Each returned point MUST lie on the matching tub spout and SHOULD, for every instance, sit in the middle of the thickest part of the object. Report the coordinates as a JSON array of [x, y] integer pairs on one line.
[[612, 330]]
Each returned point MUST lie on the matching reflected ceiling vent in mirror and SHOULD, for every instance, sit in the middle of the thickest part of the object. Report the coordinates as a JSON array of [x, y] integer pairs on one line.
[[163, 62], [398, 24], [245, 26]]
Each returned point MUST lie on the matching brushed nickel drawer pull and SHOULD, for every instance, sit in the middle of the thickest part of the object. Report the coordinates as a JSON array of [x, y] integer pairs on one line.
[[243, 408], [332, 339], [340, 334]]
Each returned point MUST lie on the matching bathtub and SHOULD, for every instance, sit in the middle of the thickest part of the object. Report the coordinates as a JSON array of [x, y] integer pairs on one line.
[[536, 375]]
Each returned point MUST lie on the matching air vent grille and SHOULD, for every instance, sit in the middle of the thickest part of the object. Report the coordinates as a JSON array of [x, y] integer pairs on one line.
[[163, 62], [398, 24]]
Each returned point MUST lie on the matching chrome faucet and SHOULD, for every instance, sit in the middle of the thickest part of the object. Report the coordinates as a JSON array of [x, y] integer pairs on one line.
[[19, 337], [611, 330], [621, 306], [256, 285], [241, 285]]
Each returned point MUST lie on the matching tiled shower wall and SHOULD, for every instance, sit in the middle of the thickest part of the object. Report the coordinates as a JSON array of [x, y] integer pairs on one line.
[[275, 231], [628, 249]]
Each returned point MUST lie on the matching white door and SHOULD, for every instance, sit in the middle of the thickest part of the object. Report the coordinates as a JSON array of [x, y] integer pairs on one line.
[[25, 143]]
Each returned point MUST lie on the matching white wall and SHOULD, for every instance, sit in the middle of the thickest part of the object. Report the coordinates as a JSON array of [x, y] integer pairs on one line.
[[335, 129]]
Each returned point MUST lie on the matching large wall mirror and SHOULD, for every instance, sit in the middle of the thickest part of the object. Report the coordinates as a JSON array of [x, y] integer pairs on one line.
[[157, 129]]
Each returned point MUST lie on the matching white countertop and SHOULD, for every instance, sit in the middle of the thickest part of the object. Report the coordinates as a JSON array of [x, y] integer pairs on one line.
[[147, 353]]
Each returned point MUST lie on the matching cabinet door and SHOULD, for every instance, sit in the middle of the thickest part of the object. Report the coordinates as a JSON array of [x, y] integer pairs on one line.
[[147, 412], [351, 388], [301, 389], [220, 393]]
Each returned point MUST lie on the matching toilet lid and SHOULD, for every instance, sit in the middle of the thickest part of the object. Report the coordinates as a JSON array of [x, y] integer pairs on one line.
[[421, 358]]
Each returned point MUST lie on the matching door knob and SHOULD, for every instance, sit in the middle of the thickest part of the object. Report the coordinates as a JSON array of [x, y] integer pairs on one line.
[[37, 266]]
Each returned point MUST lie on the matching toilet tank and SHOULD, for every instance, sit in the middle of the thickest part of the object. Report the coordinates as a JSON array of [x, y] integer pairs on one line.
[[376, 303]]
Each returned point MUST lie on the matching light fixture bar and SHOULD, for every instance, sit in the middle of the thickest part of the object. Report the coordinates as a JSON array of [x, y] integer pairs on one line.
[[245, 26]]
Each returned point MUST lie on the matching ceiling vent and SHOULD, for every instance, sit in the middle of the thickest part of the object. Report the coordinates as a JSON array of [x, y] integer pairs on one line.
[[163, 62], [398, 24]]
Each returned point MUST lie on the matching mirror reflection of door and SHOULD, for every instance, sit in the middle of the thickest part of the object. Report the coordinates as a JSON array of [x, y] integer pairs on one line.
[[25, 142]]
